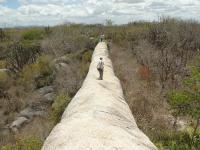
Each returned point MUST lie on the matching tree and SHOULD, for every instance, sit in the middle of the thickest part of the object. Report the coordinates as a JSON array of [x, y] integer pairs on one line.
[[2, 34], [187, 101], [109, 22], [179, 102], [47, 30], [22, 54], [193, 86]]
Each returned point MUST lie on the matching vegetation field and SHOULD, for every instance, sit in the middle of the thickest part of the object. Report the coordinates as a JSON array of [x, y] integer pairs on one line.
[[158, 64]]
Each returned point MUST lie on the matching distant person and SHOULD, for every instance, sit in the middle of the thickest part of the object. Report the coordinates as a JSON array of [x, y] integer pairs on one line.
[[100, 68], [102, 38]]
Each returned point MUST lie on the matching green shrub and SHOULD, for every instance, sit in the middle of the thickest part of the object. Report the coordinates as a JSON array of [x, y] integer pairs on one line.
[[167, 140], [84, 66], [59, 105], [3, 64], [2, 34], [30, 143], [38, 74], [33, 34], [87, 56], [4, 80], [84, 69], [21, 54], [179, 99]]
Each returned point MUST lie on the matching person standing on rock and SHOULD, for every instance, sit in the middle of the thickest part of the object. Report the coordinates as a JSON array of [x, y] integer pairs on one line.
[[102, 38], [100, 68]]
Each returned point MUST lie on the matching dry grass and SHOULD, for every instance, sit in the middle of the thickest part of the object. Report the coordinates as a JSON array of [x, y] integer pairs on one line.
[[143, 96], [144, 73]]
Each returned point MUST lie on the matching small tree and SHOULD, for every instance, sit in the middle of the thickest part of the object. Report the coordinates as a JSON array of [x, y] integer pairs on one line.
[[188, 101], [21, 54], [109, 22], [193, 86], [47, 30], [179, 102], [2, 34]]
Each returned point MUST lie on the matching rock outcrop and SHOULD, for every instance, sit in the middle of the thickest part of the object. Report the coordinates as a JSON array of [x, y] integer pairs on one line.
[[98, 117]]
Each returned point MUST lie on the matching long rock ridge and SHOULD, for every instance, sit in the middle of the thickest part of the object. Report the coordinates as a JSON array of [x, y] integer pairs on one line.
[[98, 117]]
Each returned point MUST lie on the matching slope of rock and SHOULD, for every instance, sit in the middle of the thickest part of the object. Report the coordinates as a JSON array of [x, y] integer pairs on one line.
[[98, 117]]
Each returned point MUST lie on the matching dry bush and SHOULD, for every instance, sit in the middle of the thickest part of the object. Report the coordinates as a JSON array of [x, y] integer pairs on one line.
[[28, 143], [11, 105], [142, 108], [2, 34], [39, 127], [59, 105], [5, 80], [21, 54], [38, 74], [70, 76], [144, 73], [142, 96], [6, 137], [67, 79], [64, 40], [3, 64], [165, 64]]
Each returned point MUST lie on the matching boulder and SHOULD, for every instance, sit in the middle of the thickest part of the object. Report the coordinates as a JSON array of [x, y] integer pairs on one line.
[[182, 123], [62, 59], [30, 113], [61, 65], [4, 71], [45, 90], [49, 97], [18, 123]]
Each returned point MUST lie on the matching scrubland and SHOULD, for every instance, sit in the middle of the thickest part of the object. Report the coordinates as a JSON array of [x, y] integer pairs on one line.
[[40, 71], [158, 64]]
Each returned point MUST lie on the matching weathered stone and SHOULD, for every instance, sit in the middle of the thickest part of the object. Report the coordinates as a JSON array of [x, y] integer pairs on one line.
[[45, 90], [4, 71], [30, 113], [49, 97], [60, 60], [61, 65], [98, 117], [18, 122], [181, 123]]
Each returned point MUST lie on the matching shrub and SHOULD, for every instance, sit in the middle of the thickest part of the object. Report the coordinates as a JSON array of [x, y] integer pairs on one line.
[[33, 34], [30, 143], [59, 105], [21, 54], [4, 80], [38, 74], [3, 64], [167, 140], [84, 69], [144, 73], [2, 34], [87, 56], [187, 101]]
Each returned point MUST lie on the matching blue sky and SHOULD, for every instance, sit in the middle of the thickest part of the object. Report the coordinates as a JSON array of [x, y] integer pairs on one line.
[[11, 4], [53, 12]]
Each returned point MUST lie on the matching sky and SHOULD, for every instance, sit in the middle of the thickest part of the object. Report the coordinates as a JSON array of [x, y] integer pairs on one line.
[[53, 12]]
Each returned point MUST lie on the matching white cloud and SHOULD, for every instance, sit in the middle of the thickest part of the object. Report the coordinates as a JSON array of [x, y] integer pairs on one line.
[[23, 2], [51, 12], [2, 1], [129, 1]]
